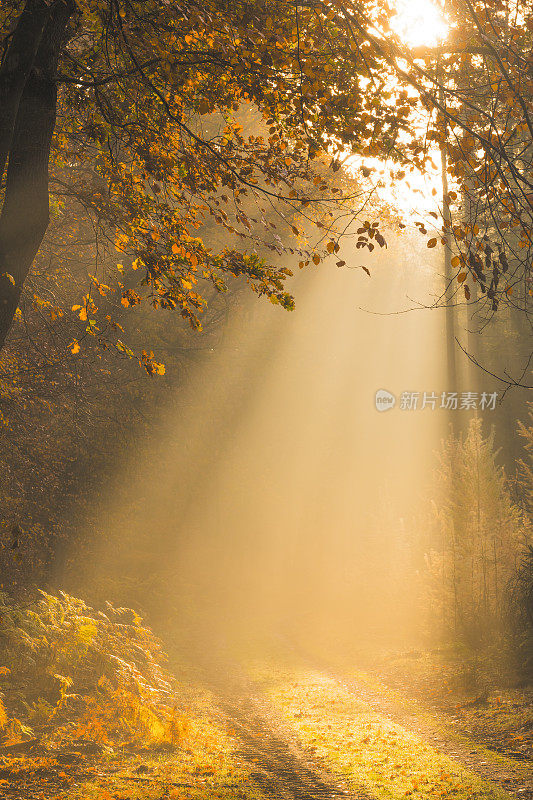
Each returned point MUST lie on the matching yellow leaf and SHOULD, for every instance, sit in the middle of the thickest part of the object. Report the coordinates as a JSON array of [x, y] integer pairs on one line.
[[456, 261], [316, 259], [83, 315], [74, 347], [3, 716], [175, 249]]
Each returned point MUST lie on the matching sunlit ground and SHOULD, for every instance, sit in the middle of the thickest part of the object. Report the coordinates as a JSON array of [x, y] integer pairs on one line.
[[368, 749]]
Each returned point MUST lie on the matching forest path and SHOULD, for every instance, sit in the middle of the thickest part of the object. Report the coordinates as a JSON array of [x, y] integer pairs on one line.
[[273, 731], [279, 766], [310, 735], [439, 731]]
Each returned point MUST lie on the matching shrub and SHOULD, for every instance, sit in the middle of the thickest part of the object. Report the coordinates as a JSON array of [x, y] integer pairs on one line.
[[71, 672]]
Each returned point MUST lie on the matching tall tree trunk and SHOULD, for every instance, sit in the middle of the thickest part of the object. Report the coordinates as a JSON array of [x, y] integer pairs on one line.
[[15, 69], [451, 347], [450, 321], [25, 212]]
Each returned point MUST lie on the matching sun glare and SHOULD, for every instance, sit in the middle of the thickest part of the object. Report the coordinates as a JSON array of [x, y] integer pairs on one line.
[[419, 22]]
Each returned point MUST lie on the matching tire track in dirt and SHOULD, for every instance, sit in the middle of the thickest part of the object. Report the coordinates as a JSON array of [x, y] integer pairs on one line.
[[281, 769]]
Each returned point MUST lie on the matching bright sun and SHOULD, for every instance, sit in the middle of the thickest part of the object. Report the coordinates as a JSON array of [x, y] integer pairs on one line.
[[419, 22]]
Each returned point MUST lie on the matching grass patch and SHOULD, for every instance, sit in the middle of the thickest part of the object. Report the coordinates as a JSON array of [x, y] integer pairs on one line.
[[503, 720], [368, 749]]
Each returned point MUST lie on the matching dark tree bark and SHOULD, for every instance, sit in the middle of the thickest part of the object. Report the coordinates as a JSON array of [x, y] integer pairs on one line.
[[25, 211], [15, 69]]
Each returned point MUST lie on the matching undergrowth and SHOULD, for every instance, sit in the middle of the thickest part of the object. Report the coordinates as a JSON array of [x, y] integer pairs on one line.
[[68, 672]]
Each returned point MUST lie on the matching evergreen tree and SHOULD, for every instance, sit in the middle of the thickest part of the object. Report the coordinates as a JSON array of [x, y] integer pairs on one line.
[[482, 532]]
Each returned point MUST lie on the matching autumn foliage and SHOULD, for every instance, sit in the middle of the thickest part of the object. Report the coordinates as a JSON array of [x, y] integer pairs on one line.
[[72, 674]]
